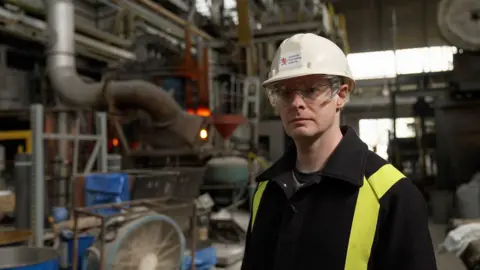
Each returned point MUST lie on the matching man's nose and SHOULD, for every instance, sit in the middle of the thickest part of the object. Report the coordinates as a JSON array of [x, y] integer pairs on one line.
[[297, 100]]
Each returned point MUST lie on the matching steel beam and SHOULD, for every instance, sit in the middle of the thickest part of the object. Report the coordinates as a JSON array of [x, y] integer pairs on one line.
[[378, 102], [181, 4], [101, 123], [38, 175], [283, 28]]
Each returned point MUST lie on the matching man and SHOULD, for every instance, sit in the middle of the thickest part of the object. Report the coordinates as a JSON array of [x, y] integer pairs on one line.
[[330, 203]]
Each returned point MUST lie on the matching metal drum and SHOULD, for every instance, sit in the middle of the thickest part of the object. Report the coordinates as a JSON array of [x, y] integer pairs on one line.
[[227, 170], [227, 179], [28, 258]]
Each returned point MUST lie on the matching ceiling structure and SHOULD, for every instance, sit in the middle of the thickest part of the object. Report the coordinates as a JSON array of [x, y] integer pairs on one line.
[[370, 24]]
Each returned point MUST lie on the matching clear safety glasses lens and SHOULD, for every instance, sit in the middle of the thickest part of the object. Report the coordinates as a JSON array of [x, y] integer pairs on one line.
[[278, 95]]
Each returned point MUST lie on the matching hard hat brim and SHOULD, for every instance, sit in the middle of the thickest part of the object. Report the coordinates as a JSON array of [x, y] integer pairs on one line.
[[300, 72]]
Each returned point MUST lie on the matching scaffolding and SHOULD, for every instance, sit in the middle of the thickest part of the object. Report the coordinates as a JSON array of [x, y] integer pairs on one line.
[[99, 153]]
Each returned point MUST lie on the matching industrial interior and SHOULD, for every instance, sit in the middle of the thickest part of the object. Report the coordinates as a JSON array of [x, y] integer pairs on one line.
[[132, 130]]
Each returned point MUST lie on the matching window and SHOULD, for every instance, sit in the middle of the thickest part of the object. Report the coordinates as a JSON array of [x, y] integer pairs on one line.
[[203, 7], [375, 132], [387, 64], [230, 8], [372, 65]]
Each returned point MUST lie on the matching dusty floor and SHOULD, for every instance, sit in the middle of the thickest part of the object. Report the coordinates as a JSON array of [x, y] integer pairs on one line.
[[444, 261]]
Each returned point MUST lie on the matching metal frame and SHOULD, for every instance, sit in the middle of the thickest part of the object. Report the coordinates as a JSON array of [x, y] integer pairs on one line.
[[128, 210], [38, 160], [252, 98]]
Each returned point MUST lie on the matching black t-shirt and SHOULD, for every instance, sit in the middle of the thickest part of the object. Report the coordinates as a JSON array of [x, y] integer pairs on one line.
[[303, 178]]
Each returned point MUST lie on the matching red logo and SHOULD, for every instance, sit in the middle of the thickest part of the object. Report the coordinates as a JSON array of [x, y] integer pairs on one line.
[[284, 61]]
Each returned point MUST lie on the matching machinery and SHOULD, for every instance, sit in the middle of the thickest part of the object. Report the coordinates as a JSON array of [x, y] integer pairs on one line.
[[162, 103], [151, 241], [227, 170]]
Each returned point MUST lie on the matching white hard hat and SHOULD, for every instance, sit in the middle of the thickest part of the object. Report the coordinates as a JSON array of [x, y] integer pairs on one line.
[[308, 54]]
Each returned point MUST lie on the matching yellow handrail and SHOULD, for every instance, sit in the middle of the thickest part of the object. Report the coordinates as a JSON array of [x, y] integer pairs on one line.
[[25, 135]]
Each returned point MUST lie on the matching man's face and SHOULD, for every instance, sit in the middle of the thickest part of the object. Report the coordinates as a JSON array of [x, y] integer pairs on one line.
[[306, 105]]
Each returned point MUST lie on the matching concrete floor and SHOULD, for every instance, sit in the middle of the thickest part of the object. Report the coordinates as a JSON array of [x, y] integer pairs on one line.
[[445, 261]]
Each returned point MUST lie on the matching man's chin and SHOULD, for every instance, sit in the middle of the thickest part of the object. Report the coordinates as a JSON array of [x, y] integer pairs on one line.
[[300, 133]]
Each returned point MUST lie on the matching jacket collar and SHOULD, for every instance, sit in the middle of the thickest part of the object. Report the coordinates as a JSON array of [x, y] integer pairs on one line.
[[346, 163]]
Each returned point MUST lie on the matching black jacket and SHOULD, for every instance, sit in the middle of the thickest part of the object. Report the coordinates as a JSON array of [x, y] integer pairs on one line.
[[310, 228]]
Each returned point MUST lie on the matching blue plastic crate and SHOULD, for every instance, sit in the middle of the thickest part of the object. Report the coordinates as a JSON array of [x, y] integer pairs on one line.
[[205, 259], [84, 242], [105, 189]]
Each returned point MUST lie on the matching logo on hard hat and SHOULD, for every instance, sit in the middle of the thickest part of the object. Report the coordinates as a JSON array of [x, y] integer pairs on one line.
[[284, 61]]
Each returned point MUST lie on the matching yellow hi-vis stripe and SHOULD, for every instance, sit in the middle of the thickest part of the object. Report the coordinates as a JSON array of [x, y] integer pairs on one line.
[[365, 218], [256, 200]]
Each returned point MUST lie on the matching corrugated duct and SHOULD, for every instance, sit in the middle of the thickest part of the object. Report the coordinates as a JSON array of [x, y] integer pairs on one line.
[[74, 91]]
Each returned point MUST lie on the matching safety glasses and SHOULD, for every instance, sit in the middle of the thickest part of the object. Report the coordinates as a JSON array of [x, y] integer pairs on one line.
[[280, 94]]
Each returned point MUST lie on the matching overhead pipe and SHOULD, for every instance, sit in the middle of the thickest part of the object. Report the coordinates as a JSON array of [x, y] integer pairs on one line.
[[85, 28], [89, 42], [164, 12], [152, 18], [26, 33], [73, 90]]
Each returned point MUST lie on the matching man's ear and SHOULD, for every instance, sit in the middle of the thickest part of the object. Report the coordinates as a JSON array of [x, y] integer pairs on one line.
[[343, 95]]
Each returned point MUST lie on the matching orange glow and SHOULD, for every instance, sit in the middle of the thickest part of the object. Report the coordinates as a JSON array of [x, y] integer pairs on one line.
[[205, 112], [115, 142]]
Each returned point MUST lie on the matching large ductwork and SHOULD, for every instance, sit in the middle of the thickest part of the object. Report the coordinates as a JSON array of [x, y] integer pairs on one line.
[[458, 21], [72, 90]]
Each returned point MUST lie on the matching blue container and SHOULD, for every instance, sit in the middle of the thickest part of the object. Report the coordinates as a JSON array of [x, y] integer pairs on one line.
[[205, 259], [28, 258], [84, 242], [59, 214], [106, 188]]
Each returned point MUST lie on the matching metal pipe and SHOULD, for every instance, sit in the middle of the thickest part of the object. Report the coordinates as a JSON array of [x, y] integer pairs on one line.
[[165, 12], [85, 28], [36, 35], [62, 129], [23, 198], [160, 21], [72, 89], [269, 30], [92, 43], [38, 175], [101, 128], [152, 18], [150, 30], [71, 137]]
